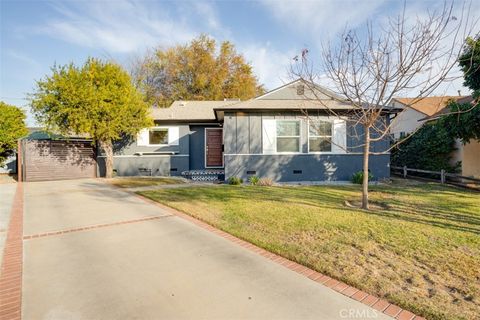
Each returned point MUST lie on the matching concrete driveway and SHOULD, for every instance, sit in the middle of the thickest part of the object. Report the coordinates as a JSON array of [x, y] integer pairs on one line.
[[140, 262]]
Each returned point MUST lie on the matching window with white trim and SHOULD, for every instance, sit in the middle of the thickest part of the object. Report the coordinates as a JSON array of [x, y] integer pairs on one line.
[[320, 135], [158, 136], [288, 135]]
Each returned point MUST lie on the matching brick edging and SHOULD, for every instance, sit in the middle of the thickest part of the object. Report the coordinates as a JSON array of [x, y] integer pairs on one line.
[[339, 286], [11, 271]]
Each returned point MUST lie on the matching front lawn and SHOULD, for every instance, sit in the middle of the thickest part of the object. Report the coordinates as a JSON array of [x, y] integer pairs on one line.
[[421, 252], [134, 182]]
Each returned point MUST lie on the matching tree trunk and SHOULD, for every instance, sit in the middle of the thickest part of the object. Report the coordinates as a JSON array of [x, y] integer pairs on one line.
[[107, 147], [366, 153]]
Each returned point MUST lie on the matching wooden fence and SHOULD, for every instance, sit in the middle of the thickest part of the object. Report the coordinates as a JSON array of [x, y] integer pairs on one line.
[[442, 176]]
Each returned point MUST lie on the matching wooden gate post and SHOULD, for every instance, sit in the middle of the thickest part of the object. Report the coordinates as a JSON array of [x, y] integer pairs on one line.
[[442, 176], [405, 172], [19, 161]]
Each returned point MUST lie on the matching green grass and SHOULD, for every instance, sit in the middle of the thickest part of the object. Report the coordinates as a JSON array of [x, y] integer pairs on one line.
[[421, 253], [134, 182]]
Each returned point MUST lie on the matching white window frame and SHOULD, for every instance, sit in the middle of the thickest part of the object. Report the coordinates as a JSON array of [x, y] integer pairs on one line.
[[299, 136], [325, 119], [161, 144]]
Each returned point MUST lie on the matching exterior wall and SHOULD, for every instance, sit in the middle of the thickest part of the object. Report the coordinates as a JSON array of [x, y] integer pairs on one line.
[[289, 92], [189, 154], [243, 152], [129, 147], [197, 146], [243, 133], [160, 165], [471, 159], [304, 167], [406, 121], [161, 160]]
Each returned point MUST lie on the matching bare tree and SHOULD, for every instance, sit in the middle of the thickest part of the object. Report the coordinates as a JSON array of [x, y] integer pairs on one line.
[[370, 67]]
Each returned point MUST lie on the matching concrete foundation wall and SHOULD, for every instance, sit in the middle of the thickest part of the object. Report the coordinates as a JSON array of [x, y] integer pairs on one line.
[[164, 165], [310, 167]]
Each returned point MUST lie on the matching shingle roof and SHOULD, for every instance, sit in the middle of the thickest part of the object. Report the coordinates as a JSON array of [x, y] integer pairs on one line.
[[189, 110], [444, 111], [427, 105], [283, 98], [284, 104]]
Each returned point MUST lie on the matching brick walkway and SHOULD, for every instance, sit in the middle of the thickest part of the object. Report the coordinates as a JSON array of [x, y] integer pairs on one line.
[[349, 291], [11, 271]]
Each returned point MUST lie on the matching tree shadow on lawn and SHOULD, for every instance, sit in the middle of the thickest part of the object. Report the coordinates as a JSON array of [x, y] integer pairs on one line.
[[333, 197]]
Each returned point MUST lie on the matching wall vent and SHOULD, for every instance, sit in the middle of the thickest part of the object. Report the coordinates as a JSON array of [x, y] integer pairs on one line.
[[251, 172], [300, 90], [173, 169], [297, 171]]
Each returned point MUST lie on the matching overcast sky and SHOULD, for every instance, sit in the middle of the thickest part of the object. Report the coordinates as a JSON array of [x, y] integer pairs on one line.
[[37, 34]]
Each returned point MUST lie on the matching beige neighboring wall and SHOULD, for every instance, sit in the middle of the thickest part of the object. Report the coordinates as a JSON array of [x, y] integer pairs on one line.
[[471, 159], [406, 121]]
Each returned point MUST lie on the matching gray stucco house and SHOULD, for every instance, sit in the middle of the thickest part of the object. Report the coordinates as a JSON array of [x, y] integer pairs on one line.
[[287, 134]]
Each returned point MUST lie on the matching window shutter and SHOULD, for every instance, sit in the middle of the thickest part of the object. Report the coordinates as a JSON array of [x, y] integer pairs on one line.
[[173, 136], [142, 137], [339, 136], [268, 135]]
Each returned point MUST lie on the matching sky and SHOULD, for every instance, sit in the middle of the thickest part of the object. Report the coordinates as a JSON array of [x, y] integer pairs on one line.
[[35, 35]]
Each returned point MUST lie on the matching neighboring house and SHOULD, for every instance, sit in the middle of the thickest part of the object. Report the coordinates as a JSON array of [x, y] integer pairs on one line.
[[467, 154], [415, 112], [275, 135]]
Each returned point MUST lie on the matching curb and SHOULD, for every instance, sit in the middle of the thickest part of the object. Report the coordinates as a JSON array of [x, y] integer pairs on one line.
[[376, 303]]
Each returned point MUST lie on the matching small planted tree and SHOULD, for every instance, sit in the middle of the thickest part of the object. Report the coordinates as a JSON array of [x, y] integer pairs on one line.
[[97, 99], [12, 127], [367, 68]]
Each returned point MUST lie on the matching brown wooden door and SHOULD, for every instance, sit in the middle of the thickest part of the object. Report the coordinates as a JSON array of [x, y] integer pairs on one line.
[[213, 147]]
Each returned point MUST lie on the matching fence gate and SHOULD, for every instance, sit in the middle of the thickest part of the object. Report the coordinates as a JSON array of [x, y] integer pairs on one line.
[[43, 160]]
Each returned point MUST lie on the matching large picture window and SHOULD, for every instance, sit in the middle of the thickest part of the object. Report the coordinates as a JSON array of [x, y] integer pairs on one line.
[[288, 135], [158, 136], [320, 136]]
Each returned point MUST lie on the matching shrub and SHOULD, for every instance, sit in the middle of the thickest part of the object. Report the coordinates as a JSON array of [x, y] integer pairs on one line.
[[235, 181], [357, 177], [253, 180], [430, 148], [265, 182]]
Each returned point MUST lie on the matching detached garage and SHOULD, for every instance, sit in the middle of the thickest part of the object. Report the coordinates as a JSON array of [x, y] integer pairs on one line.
[[57, 159]]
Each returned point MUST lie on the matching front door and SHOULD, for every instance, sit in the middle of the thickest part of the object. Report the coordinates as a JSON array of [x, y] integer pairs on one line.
[[213, 147]]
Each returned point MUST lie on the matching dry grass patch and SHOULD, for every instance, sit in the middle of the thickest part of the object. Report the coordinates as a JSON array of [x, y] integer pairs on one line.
[[422, 253], [134, 182]]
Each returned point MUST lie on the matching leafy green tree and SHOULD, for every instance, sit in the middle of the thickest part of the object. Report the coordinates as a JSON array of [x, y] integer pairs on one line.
[[196, 71], [470, 64], [12, 127], [97, 99], [463, 119]]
